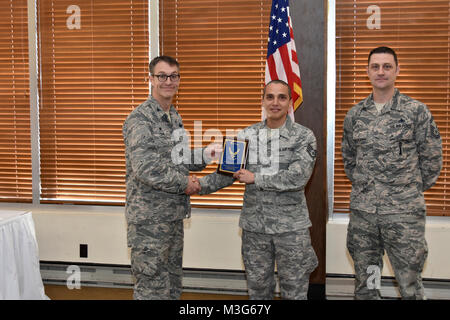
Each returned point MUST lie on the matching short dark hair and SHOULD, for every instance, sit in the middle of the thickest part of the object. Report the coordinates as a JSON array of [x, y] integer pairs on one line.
[[383, 50], [167, 59], [280, 82]]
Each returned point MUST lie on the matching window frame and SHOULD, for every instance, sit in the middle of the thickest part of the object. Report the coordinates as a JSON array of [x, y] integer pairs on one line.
[[331, 117], [154, 51]]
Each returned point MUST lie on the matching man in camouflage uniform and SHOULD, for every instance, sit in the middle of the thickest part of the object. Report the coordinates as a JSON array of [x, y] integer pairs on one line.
[[158, 186], [392, 153], [274, 217]]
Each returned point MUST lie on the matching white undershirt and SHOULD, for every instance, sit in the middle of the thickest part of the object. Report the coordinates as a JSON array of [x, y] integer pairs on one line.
[[379, 106]]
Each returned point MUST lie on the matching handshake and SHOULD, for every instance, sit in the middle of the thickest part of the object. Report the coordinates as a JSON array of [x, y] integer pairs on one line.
[[193, 186], [242, 175]]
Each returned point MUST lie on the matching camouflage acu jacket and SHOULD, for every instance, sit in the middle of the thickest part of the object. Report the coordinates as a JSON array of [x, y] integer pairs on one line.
[[155, 179], [391, 157], [276, 202]]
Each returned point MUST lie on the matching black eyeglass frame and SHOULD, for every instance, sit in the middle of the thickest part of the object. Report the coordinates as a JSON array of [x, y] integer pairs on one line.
[[163, 77]]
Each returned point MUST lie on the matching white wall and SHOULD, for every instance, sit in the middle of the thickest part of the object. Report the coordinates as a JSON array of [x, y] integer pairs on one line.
[[437, 234], [212, 239]]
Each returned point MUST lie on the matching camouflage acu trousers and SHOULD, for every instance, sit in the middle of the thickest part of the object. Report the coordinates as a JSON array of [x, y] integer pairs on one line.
[[403, 238], [156, 260], [295, 258]]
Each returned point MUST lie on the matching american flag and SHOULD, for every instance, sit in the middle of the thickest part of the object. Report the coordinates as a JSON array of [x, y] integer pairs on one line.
[[282, 61]]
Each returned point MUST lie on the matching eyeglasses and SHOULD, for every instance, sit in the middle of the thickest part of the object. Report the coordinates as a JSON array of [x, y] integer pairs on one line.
[[163, 77]]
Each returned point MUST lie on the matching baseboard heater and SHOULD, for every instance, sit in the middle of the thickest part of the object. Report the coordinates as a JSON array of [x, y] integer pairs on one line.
[[337, 286], [342, 287], [119, 276]]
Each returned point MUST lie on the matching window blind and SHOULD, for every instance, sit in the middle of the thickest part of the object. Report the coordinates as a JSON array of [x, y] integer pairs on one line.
[[15, 140], [221, 47], [93, 71], [419, 32]]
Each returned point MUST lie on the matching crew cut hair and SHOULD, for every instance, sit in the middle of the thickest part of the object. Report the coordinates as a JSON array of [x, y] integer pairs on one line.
[[280, 82], [383, 50], [167, 59]]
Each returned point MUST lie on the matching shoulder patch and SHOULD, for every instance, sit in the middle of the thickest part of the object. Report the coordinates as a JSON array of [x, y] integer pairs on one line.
[[434, 131], [312, 152]]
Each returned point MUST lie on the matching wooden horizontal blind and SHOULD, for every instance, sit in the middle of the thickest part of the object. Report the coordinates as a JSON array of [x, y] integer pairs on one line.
[[15, 140], [93, 71], [221, 47], [419, 31]]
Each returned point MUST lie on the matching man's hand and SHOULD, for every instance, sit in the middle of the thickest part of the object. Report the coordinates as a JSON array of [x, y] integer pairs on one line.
[[193, 186], [213, 151], [244, 176]]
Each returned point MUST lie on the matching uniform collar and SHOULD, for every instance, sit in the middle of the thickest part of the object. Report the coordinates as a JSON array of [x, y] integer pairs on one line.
[[158, 110], [285, 129], [393, 104]]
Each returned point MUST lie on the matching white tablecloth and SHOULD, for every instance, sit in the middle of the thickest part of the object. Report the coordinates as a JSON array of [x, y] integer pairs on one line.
[[20, 276]]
